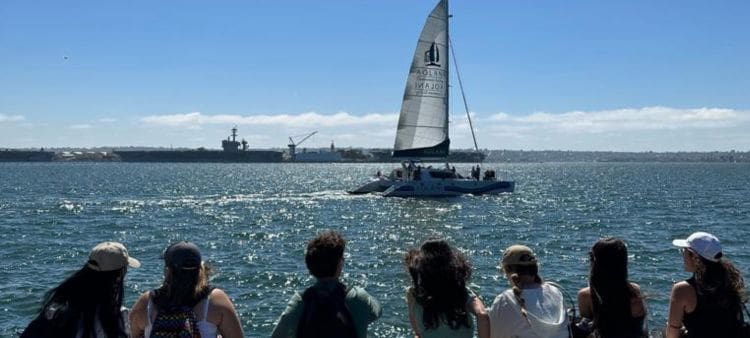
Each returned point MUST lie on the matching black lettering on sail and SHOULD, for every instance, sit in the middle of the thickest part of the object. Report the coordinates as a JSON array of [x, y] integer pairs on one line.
[[432, 56]]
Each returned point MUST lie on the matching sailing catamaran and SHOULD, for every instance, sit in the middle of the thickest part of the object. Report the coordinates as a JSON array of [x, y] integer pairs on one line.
[[422, 132]]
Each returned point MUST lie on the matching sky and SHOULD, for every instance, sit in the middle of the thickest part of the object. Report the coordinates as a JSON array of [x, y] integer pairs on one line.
[[637, 75]]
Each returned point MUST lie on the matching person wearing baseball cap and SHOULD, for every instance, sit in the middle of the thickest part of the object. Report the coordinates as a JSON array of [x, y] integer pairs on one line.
[[531, 307], [88, 303], [709, 303], [186, 286]]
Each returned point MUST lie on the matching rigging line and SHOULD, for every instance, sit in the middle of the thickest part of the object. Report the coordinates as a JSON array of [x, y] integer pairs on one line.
[[463, 96]]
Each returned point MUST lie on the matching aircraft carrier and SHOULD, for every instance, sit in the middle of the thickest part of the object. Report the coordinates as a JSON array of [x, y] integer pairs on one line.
[[233, 151]]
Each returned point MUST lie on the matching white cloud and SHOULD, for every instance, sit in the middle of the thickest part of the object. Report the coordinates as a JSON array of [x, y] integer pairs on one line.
[[107, 120], [630, 129], [310, 119], [632, 119], [11, 118]]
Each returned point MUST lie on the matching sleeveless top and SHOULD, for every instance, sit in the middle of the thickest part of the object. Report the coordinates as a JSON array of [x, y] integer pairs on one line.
[[632, 327], [710, 320], [206, 328]]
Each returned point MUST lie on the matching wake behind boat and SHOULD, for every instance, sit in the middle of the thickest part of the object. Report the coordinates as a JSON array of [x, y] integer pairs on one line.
[[423, 126]]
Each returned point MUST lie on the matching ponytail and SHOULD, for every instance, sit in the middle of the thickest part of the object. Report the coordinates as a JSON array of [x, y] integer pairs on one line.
[[515, 282]]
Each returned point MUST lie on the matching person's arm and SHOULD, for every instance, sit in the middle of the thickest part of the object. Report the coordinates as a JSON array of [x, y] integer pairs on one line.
[[138, 316], [678, 302], [638, 304], [483, 319], [585, 308], [412, 320], [286, 327], [229, 324]]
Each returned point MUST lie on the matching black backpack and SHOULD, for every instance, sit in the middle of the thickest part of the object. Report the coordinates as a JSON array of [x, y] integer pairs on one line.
[[325, 314]]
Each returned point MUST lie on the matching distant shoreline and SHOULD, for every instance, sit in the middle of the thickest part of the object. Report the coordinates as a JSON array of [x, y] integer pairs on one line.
[[364, 155]]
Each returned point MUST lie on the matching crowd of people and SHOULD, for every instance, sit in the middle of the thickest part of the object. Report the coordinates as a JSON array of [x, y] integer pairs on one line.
[[440, 304]]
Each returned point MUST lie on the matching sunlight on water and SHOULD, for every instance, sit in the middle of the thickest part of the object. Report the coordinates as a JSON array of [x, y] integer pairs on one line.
[[252, 222]]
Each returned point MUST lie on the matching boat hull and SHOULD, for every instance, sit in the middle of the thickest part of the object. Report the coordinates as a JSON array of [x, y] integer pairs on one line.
[[448, 188], [374, 186]]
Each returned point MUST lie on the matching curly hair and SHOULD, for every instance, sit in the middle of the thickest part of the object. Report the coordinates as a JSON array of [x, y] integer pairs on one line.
[[721, 281], [439, 275], [323, 254]]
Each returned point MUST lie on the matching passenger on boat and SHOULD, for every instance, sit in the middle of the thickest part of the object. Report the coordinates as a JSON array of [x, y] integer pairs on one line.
[[88, 303], [438, 299], [615, 304], [709, 304], [352, 308], [531, 308], [185, 287]]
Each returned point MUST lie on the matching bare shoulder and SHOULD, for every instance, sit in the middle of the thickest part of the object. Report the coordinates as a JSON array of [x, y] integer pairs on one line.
[[637, 289], [683, 292], [220, 299], [682, 288], [142, 301], [635, 286], [585, 292]]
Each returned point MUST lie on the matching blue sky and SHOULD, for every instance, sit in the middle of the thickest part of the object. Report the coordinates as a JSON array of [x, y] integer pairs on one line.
[[569, 75]]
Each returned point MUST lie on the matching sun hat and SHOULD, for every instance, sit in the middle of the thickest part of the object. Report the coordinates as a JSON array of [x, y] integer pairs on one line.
[[183, 255], [704, 244], [518, 255], [110, 256]]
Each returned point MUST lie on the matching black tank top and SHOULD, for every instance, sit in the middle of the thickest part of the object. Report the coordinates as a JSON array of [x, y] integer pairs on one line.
[[632, 327], [710, 320]]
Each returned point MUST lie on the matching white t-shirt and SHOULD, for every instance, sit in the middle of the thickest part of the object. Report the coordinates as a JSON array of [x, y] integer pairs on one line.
[[546, 314]]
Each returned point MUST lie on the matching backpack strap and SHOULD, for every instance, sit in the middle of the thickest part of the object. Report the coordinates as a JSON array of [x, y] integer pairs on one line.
[[205, 306]]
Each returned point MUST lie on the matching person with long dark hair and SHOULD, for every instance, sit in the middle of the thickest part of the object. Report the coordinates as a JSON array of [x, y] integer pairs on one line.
[[531, 308], [185, 296], [88, 303], [709, 304], [614, 303], [439, 301]]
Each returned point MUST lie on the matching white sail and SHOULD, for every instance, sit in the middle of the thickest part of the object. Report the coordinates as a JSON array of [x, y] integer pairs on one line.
[[423, 124]]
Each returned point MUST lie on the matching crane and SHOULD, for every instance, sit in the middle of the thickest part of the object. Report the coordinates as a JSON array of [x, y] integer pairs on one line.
[[293, 145]]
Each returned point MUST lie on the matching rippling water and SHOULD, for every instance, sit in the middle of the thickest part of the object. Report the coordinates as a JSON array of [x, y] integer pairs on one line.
[[252, 222]]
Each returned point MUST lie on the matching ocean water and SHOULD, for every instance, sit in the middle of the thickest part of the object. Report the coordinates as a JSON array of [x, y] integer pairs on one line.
[[252, 222]]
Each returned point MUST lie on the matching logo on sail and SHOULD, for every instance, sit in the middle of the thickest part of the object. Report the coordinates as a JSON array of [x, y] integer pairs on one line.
[[432, 56]]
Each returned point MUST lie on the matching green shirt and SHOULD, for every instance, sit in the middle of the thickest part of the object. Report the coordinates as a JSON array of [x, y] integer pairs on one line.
[[364, 310]]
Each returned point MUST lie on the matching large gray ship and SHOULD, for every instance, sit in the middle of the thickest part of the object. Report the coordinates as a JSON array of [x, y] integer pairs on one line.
[[9, 155], [233, 151]]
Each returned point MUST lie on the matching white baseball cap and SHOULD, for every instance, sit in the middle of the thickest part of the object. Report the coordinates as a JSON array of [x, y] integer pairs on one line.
[[704, 244]]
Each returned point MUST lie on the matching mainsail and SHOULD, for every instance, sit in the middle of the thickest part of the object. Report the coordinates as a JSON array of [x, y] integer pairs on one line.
[[423, 124]]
